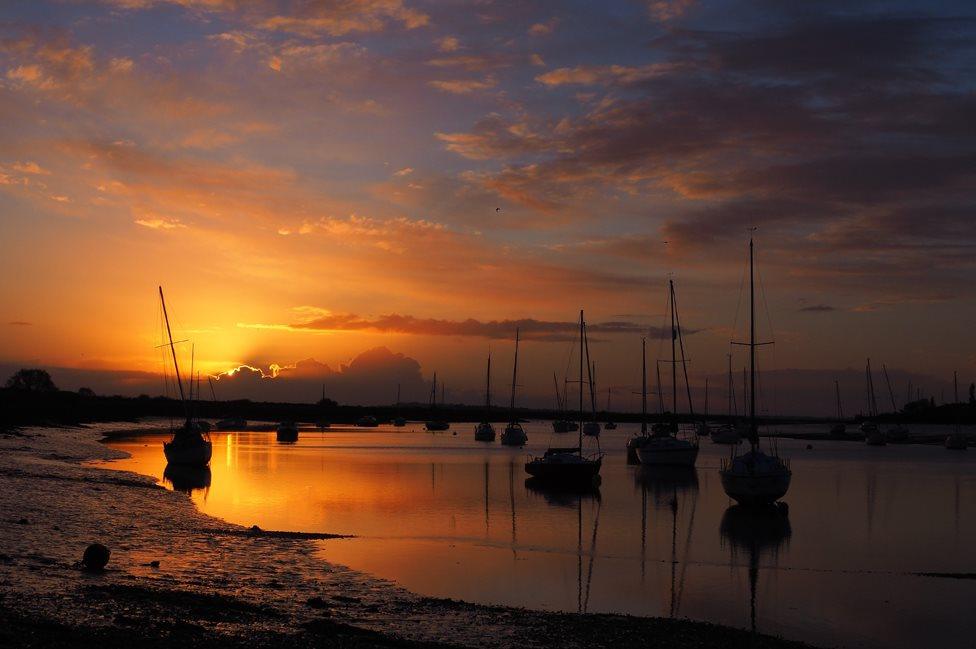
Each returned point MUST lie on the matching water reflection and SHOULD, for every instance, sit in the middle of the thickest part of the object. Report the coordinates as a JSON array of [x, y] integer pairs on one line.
[[449, 517], [187, 478], [758, 532]]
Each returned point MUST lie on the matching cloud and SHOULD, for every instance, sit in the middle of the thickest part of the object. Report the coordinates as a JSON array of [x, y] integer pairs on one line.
[[370, 378], [605, 74], [160, 223], [448, 44], [543, 29], [531, 329], [817, 308], [30, 168], [463, 86], [406, 171], [19, 323]]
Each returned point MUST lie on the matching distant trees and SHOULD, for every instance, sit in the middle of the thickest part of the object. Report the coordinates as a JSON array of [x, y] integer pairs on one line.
[[86, 392], [32, 380], [972, 394]]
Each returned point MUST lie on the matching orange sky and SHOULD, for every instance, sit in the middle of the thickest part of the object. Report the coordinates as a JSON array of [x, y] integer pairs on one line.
[[272, 164]]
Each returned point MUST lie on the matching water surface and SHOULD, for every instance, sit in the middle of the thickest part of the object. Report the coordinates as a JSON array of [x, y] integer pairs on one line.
[[444, 515]]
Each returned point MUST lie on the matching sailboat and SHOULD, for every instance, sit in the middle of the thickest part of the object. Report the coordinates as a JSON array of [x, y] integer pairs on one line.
[[399, 421], [637, 441], [754, 478], [702, 428], [569, 465], [189, 446], [873, 435], [514, 435], [839, 429], [592, 427], [562, 425], [485, 432], [727, 433], [435, 422], [664, 447], [610, 425], [897, 434], [323, 422], [287, 432]]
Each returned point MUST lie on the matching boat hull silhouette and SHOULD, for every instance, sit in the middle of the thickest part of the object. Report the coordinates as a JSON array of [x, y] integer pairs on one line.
[[191, 452], [564, 466], [514, 435], [484, 432], [667, 451], [287, 432]]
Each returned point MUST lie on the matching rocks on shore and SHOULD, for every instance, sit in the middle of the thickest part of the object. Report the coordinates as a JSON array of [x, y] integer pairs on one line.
[[96, 557]]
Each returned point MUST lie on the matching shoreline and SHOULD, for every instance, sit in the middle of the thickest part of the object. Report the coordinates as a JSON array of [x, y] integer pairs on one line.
[[225, 585]]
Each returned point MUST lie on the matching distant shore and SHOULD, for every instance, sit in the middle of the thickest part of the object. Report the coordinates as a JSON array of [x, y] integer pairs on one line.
[[64, 408], [219, 585]]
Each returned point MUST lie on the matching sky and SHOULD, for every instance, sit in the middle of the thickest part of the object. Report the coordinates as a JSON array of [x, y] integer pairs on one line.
[[363, 192]]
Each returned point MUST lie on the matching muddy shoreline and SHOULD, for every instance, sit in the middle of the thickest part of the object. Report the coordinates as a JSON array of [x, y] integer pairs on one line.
[[223, 585]]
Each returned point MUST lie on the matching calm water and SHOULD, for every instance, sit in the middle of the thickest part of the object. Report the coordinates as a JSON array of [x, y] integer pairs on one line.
[[444, 515]]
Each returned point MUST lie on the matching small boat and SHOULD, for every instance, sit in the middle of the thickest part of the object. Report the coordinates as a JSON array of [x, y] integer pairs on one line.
[[667, 450], [232, 423], [435, 423], [725, 434], [560, 465], [485, 432], [636, 441], [591, 429], [873, 436], [610, 425], [897, 435], [565, 465], [514, 435], [838, 429], [190, 445], [956, 442], [323, 422], [562, 424], [398, 421], [754, 478], [367, 421], [287, 432]]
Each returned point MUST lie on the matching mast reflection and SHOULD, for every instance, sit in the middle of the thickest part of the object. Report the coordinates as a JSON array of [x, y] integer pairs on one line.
[[759, 532]]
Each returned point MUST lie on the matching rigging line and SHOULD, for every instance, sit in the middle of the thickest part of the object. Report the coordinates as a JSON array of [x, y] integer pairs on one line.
[[738, 303]]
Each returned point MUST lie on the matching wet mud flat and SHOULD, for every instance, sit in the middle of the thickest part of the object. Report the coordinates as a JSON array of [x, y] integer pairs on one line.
[[179, 578]]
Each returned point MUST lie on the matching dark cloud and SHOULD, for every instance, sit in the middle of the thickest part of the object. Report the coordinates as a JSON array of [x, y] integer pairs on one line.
[[19, 323], [530, 329], [370, 378], [817, 308]]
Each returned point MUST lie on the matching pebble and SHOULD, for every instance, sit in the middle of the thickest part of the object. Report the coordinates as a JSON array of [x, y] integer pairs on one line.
[[95, 557]]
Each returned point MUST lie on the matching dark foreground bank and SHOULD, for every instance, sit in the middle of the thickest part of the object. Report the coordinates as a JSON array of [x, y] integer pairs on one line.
[[178, 578]]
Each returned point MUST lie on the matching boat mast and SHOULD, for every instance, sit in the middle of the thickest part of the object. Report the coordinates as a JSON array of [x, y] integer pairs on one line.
[[579, 443], [840, 411], [891, 393], [515, 375], [643, 385], [731, 388], [172, 348], [660, 392], [705, 414], [753, 431], [488, 388], [674, 366], [681, 347], [433, 392]]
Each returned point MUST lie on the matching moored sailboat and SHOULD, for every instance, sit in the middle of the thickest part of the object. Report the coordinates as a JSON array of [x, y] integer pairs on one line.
[[514, 434], [568, 465], [435, 422], [754, 478], [484, 431], [839, 429], [562, 424], [873, 435], [727, 433], [664, 447], [287, 432], [189, 446]]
